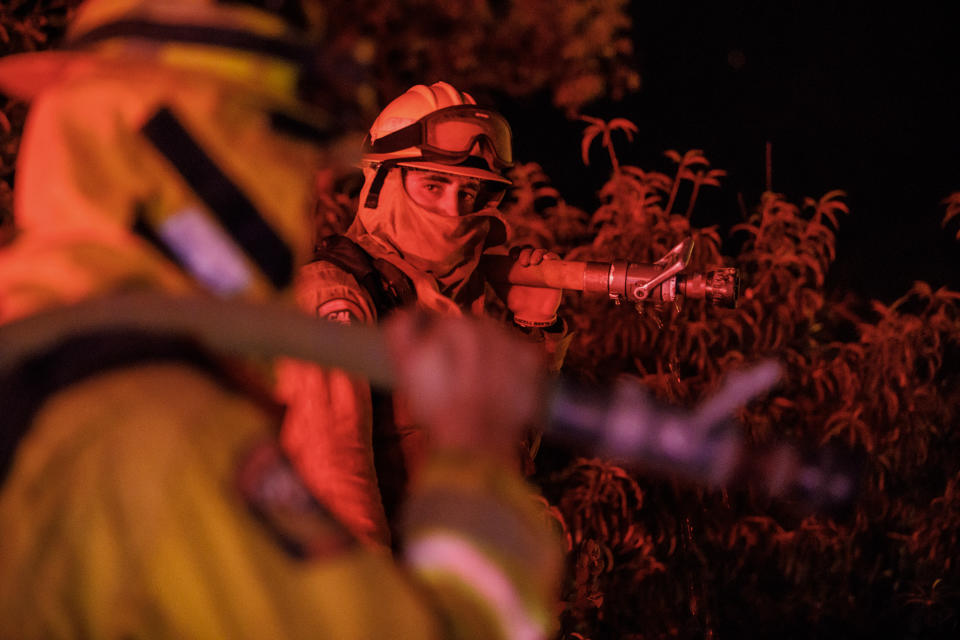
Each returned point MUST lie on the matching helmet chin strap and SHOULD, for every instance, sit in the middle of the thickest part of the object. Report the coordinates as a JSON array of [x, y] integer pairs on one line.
[[373, 195]]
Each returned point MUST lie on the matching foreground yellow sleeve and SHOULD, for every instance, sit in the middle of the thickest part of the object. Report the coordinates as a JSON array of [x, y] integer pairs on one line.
[[122, 517]]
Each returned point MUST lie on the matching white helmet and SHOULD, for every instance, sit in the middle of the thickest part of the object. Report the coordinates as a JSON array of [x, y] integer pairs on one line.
[[438, 128]]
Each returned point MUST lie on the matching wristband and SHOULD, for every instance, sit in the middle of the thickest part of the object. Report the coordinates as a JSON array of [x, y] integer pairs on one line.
[[535, 323]]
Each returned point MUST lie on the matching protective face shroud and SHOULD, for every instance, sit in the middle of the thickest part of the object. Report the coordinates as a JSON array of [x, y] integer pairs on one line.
[[447, 248]]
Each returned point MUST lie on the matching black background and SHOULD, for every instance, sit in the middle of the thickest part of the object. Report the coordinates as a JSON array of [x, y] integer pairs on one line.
[[850, 97]]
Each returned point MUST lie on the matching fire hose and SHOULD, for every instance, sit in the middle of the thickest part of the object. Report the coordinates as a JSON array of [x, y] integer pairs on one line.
[[624, 422]]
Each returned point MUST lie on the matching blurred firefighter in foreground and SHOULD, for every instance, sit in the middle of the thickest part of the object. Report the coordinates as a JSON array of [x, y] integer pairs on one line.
[[433, 176], [143, 491]]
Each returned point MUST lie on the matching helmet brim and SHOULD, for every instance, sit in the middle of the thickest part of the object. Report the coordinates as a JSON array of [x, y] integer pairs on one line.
[[454, 169]]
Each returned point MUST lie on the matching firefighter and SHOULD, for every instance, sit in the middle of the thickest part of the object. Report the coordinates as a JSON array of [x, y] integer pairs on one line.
[[433, 165], [144, 493]]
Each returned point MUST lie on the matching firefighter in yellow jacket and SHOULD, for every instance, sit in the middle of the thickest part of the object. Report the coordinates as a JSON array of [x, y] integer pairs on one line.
[[433, 168], [143, 493]]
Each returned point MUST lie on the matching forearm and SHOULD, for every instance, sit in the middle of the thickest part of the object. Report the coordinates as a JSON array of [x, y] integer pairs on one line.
[[327, 433]]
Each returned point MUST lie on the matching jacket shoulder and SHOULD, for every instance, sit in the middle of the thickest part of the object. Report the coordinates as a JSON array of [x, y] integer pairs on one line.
[[329, 292]]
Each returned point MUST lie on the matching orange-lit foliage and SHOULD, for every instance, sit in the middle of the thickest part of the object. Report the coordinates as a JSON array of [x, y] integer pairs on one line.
[[953, 209], [577, 50], [880, 380]]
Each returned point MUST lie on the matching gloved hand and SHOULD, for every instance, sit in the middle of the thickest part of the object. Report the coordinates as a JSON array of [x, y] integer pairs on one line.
[[472, 385], [533, 306]]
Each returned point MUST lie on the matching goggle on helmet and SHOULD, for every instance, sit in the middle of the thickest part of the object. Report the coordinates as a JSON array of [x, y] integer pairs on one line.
[[449, 135]]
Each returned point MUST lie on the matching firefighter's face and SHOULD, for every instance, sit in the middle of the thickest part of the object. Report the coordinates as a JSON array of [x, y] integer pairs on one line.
[[443, 193]]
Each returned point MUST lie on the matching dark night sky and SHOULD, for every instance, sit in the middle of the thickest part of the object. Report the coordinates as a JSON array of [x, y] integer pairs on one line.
[[851, 98]]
